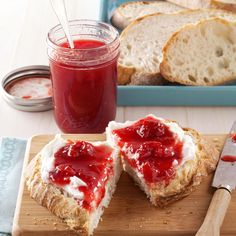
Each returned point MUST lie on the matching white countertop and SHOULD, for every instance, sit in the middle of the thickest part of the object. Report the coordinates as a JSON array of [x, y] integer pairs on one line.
[[23, 28]]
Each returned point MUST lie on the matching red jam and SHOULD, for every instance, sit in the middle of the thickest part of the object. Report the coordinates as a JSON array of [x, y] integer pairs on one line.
[[233, 137], [92, 164], [228, 158], [155, 146], [84, 97]]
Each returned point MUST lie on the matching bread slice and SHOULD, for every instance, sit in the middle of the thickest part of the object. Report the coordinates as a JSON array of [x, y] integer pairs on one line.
[[229, 5], [129, 11], [201, 54], [199, 159], [143, 40], [65, 201]]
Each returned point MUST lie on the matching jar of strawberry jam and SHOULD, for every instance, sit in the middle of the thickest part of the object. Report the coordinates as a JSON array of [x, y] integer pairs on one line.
[[84, 78]]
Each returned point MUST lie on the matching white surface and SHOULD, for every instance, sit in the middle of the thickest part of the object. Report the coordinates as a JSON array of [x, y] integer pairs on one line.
[[23, 28]]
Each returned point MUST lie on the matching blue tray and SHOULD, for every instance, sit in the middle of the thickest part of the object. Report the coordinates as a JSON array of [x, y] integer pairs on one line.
[[176, 96], [169, 95]]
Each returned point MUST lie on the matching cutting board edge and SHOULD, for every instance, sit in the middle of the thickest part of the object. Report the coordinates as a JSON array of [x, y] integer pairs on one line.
[[16, 229]]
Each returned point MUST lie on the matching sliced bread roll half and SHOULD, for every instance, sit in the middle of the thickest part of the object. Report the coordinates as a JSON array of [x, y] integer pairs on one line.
[[229, 5], [201, 54], [129, 11], [143, 40], [166, 161], [74, 180]]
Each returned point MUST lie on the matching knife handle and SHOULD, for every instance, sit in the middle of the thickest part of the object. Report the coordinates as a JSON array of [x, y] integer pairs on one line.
[[215, 214]]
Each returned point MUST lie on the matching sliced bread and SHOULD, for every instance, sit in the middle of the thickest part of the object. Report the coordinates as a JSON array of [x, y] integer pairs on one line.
[[166, 161], [229, 5], [129, 11], [143, 40], [201, 54], [75, 184]]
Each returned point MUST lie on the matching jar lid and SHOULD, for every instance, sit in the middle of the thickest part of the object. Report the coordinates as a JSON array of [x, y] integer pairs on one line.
[[28, 88]]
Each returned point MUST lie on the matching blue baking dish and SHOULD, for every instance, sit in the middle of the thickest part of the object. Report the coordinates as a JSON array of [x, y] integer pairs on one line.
[[169, 95]]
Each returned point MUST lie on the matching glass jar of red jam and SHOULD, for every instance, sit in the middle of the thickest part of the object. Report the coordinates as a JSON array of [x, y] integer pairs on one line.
[[84, 78]]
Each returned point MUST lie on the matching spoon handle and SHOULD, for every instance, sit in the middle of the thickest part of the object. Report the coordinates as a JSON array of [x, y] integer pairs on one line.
[[60, 10]]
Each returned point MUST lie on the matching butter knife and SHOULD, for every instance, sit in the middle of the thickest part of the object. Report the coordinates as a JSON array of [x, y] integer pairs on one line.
[[225, 182]]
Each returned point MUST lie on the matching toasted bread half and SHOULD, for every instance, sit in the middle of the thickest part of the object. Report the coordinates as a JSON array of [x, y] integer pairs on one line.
[[188, 175], [61, 203]]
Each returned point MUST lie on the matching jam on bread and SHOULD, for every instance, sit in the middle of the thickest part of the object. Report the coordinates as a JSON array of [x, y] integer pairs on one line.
[[150, 147]]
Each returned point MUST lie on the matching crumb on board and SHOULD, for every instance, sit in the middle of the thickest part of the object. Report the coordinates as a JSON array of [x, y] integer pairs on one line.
[[165, 222], [168, 212], [215, 139]]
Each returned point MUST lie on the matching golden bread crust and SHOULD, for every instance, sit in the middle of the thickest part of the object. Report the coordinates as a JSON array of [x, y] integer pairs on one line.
[[130, 76], [52, 198], [118, 19]]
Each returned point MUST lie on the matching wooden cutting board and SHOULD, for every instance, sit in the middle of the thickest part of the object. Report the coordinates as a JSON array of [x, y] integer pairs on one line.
[[129, 212]]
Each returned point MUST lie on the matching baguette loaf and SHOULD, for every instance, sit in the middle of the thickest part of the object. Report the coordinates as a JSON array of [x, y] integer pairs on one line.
[[127, 12], [229, 5], [189, 173], [201, 54], [143, 40], [62, 200]]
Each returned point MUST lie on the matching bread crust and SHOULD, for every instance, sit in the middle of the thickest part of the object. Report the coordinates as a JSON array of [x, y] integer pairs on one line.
[[131, 76], [207, 156], [118, 19], [225, 6], [196, 4], [52, 198], [205, 4], [165, 69]]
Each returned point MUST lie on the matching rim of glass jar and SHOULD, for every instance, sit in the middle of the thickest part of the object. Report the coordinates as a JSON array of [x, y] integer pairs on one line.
[[55, 46]]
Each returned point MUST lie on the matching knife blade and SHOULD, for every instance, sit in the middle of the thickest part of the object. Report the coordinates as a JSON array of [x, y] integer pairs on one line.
[[225, 175], [225, 182]]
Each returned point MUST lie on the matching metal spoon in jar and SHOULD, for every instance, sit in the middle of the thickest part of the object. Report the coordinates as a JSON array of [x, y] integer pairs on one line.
[[60, 11]]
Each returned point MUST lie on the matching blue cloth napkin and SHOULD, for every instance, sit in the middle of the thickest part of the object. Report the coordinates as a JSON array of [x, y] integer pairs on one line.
[[12, 153]]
